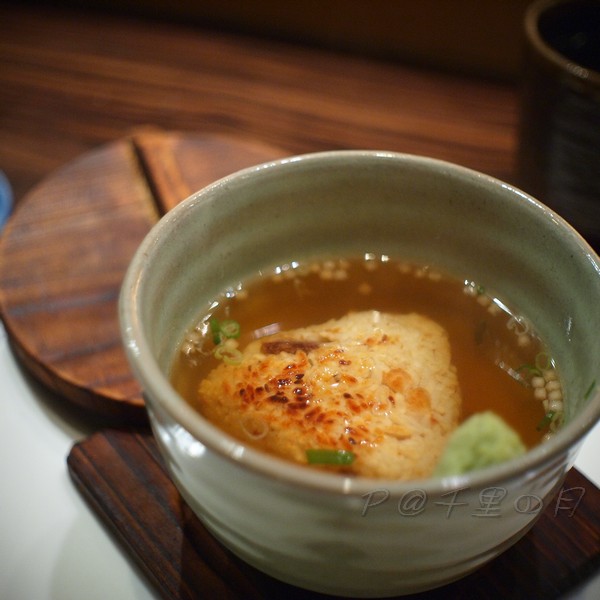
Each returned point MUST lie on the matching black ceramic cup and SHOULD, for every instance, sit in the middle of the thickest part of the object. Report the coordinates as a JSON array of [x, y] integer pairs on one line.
[[559, 137]]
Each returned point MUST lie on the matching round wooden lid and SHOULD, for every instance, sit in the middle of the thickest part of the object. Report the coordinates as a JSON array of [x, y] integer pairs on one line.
[[65, 250]]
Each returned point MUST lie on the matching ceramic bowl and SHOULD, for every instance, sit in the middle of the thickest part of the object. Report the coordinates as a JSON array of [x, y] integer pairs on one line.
[[328, 532]]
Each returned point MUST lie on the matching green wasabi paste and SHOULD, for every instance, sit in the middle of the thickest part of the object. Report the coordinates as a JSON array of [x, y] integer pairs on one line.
[[481, 441]]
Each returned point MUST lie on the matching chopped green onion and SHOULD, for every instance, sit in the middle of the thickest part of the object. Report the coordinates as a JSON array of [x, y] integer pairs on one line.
[[543, 362], [215, 329], [322, 456], [230, 328], [531, 368], [230, 356], [546, 420]]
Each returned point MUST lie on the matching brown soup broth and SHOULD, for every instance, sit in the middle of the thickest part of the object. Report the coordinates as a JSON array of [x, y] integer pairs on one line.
[[498, 357]]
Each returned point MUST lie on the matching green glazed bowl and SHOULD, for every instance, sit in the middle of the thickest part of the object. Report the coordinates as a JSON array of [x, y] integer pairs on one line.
[[327, 532]]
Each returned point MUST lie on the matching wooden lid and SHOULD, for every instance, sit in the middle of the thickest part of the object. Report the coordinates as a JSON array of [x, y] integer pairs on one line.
[[65, 250]]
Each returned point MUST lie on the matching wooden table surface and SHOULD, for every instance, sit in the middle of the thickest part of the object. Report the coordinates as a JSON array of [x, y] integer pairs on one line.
[[70, 81], [73, 81]]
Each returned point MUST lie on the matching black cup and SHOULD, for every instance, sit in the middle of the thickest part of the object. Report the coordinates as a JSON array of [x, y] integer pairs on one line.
[[559, 137]]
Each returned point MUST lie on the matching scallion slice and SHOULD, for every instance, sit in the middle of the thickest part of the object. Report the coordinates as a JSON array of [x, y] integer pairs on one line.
[[215, 329], [546, 420], [224, 330], [533, 370], [230, 356], [230, 329], [324, 456]]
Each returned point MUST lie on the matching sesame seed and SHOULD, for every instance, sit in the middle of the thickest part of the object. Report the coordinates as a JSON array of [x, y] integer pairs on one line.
[[555, 395], [553, 385], [538, 382], [484, 300], [556, 405]]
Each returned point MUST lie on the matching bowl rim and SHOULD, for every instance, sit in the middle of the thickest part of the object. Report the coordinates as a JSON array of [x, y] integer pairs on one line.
[[158, 390]]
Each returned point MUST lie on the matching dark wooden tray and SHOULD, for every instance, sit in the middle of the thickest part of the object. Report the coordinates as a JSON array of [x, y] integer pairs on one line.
[[124, 479]]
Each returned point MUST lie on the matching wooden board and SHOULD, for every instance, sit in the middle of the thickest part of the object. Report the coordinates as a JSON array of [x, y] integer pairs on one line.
[[124, 479], [64, 253]]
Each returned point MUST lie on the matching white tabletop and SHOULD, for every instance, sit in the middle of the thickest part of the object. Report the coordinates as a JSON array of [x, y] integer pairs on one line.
[[52, 546]]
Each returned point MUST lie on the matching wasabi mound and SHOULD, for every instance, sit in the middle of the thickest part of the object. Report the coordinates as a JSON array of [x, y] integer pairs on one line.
[[481, 441]]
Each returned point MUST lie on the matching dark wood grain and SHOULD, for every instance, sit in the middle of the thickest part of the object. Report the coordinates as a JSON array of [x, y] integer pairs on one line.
[[83, 101], [174, 165], [73, 80], [123, 477], [65, 251], [427, 32]]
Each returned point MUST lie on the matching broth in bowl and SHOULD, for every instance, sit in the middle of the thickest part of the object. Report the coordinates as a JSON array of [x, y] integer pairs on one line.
[[365, 365]]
